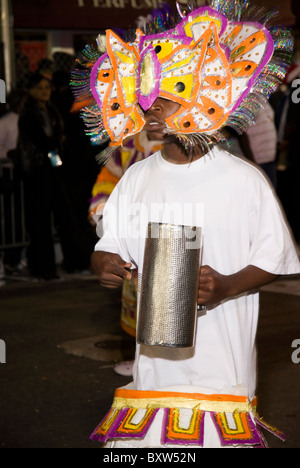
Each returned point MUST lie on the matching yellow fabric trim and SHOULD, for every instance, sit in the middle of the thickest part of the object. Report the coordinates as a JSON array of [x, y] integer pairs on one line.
[[106, 187], [128, 329], [182, 402]]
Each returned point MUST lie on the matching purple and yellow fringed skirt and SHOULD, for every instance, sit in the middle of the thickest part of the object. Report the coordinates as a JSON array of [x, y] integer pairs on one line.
[[142, 419]]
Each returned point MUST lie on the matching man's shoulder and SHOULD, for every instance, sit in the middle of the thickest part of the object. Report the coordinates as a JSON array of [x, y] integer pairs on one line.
[[138, 173], [243, 171], [140, 166], [239, 162]]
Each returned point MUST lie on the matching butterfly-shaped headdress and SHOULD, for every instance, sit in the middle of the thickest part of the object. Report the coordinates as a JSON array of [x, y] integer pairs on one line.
[[215, 63]]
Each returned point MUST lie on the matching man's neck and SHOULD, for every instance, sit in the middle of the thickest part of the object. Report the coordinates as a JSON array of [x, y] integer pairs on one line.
[[174, 153]]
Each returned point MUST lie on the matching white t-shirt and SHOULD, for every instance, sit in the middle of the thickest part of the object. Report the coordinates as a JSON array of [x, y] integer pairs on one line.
[[243, 224]]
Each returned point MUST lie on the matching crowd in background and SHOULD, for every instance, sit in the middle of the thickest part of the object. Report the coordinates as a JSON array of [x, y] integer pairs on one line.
[[44, 139]]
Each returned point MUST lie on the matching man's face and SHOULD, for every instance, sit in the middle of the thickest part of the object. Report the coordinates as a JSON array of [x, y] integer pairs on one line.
[[156, 116]]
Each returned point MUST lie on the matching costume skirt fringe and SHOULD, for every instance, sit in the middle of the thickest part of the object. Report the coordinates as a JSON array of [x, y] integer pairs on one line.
[[172, 419]]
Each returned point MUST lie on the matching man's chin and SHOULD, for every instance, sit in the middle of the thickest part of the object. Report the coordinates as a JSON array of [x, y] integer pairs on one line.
[[155, 136]]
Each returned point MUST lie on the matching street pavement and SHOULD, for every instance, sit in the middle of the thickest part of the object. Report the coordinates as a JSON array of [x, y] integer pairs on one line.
[[63, 338]]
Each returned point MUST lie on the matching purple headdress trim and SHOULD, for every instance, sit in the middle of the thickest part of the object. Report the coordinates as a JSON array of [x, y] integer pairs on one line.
[[93, 80]]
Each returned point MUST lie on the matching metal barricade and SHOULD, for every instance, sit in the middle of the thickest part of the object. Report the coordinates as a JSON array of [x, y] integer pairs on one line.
[[12, 210]]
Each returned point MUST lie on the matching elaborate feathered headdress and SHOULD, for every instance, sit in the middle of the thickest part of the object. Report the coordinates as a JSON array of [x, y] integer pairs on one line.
[[219, 63]]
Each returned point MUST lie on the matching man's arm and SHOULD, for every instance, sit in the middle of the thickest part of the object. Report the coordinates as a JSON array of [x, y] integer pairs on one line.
[[110, 269], [214, 287]]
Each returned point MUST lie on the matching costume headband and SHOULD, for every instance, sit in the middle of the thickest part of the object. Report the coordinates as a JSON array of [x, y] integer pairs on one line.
[[216, 63]]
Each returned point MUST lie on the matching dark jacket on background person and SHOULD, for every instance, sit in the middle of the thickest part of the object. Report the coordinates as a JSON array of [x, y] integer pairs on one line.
[[47, 202], [40, 131]]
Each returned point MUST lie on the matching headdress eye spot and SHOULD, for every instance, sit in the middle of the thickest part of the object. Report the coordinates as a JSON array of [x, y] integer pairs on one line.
[[179, 87], [248, 68], [211, 111], [187, 124], [157, 49], [115, 106], [106, 74]]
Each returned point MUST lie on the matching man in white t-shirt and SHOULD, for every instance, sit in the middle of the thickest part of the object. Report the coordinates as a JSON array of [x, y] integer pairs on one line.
[[184, 86], [246, 245]]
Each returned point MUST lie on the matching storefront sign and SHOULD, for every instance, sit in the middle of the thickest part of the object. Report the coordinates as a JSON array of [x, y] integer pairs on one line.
[[99, 15], [135, 4], [81, 14]]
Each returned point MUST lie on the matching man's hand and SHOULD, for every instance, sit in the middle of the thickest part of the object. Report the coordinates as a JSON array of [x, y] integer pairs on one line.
[[215, 287], [110, 269]]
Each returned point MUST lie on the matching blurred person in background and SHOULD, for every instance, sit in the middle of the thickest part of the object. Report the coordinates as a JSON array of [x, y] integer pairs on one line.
[[287, 118], [259, 142], [80, 168], [9, 123], [10, 184], [38, 157]]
